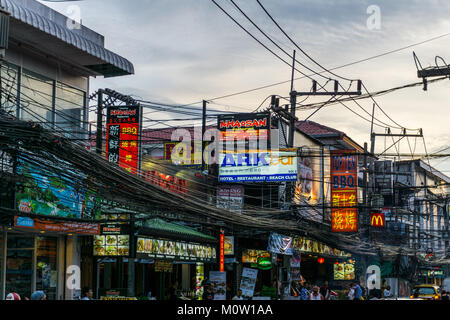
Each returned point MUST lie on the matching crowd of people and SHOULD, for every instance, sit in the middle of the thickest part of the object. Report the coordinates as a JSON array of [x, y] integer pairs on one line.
[[86, 294]]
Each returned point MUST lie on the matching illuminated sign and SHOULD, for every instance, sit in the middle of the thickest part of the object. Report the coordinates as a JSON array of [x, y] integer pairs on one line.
[[168, 182], [83, 228], [258, 166], [222, 253], [123, 126], [243, 126], [377, 220], [344, 183]]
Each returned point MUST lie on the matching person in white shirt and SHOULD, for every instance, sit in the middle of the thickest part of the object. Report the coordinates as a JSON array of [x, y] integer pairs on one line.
[[238, 295], [351, 293], [315, 294]]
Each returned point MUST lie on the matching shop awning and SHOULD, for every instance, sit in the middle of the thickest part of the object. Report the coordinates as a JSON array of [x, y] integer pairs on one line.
[[174, 229], [38, 30]]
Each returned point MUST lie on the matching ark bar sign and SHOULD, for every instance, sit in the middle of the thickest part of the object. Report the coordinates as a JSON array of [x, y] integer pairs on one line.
[[257, 166]]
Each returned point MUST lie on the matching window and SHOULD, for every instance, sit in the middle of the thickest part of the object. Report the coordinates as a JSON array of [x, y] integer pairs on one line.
[[36, 98], [9, 79], [424, 291], [69, 109]]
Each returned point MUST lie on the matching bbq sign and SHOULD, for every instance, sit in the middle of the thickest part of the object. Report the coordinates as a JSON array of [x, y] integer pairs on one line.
[[344, 183], [122, 142]]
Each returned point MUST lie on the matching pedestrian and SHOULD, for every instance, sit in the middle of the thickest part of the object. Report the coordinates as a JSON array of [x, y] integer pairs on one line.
[[173, 291], [38, 295], [351, 292], [387, 292], [325, 291], [86, 293], [315, 294], [208, 293], [444, 295], [238, 295], [357, 291], [13, 296]]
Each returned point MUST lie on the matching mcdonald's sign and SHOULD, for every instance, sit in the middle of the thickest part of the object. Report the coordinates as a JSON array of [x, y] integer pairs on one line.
[[377, 220]]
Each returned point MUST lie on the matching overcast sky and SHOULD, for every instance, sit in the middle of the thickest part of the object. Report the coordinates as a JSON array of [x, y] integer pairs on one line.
[[185, 51]]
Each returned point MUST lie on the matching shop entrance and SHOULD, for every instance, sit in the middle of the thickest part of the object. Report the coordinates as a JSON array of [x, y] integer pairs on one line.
[[19, 265]]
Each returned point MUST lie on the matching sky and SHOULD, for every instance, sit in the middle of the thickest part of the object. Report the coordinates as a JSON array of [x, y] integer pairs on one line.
[[186, 51]]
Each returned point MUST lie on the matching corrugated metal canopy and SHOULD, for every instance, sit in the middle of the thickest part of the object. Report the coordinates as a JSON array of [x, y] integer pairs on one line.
[[105, 63]]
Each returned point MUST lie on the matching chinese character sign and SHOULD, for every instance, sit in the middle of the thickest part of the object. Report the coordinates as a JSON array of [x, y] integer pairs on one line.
[[344, 183], [123, 131]]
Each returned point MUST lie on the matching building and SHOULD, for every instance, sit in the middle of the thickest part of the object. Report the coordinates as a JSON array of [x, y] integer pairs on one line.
[[45, 77]]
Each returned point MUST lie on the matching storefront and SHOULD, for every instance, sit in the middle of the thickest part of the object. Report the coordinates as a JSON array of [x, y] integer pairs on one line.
[[35, 254], [166, 254]]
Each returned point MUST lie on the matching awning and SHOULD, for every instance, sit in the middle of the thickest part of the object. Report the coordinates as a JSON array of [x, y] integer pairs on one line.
[[174, 229], [64, 43]]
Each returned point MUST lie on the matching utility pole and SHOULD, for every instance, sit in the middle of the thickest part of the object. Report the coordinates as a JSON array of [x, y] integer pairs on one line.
[[203, 133], [99, 134]]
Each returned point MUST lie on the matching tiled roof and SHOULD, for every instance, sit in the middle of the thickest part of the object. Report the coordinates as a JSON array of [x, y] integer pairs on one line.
[[161, 225], [315, 129], [164, 135]]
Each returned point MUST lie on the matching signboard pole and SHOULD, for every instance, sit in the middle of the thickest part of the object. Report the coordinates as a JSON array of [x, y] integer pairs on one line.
[[132, 255], [98, 144]]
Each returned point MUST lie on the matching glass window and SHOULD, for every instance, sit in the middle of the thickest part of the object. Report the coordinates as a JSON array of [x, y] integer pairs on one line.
[[69, 106], [46, 272], [36, 98], [9, 79], [19, 265]]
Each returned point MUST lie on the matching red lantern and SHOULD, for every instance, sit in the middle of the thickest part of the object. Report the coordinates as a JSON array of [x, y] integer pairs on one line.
[[321, 260]]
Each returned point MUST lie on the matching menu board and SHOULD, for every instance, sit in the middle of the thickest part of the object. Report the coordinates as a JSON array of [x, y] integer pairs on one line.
[[111, 245], [251, 256], [248, 281], [220, 284], [344, 271], [302, 244], [175, 250]]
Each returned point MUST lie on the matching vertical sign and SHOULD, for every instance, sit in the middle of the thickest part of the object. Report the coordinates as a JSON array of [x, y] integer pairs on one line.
[[123, 125], [344, 183], [222, 252]]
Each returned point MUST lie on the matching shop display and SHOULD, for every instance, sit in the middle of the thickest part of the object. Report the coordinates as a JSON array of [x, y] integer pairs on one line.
[[344, 271], [220, 284], [112, 245], [251, 256], [174, 250]]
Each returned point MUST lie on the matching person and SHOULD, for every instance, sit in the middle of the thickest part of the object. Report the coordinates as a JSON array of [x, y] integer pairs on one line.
[[358, 291], [325, 291], [38, 295], [173, 291], [444, 295], [351, 293], [387, 292], [208, 293], [13, 296], [315, 294], [86, 293], [238, 295]]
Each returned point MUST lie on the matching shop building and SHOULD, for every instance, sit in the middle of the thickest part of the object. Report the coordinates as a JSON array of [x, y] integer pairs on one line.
[[45, 79]]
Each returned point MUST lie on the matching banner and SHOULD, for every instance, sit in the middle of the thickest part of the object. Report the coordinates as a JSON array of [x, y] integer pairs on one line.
[[248, 282], [344, 183], [244, 126], [280, 244], [220, 284], [230, 198], [83, 228], [123, 127], [254, 166]]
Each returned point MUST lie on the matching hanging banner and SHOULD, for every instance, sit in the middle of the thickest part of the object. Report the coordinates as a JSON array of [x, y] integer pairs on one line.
[[222, 253], [344, 184], [280, 244], [123, 129], [248, 281], [220, 284]]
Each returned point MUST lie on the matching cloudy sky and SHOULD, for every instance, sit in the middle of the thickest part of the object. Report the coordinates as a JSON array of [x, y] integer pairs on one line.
[[185, 51]]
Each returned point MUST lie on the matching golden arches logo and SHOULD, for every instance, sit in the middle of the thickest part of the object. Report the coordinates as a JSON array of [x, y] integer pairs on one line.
[[377, 220]]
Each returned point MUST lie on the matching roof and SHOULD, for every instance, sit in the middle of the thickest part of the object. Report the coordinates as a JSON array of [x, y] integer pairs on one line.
[[83, 46], [165, 134], [321, 132], [168, 227], [317, 130]]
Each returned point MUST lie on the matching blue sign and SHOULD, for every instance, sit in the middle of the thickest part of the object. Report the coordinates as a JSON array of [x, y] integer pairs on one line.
[[25, 222]]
